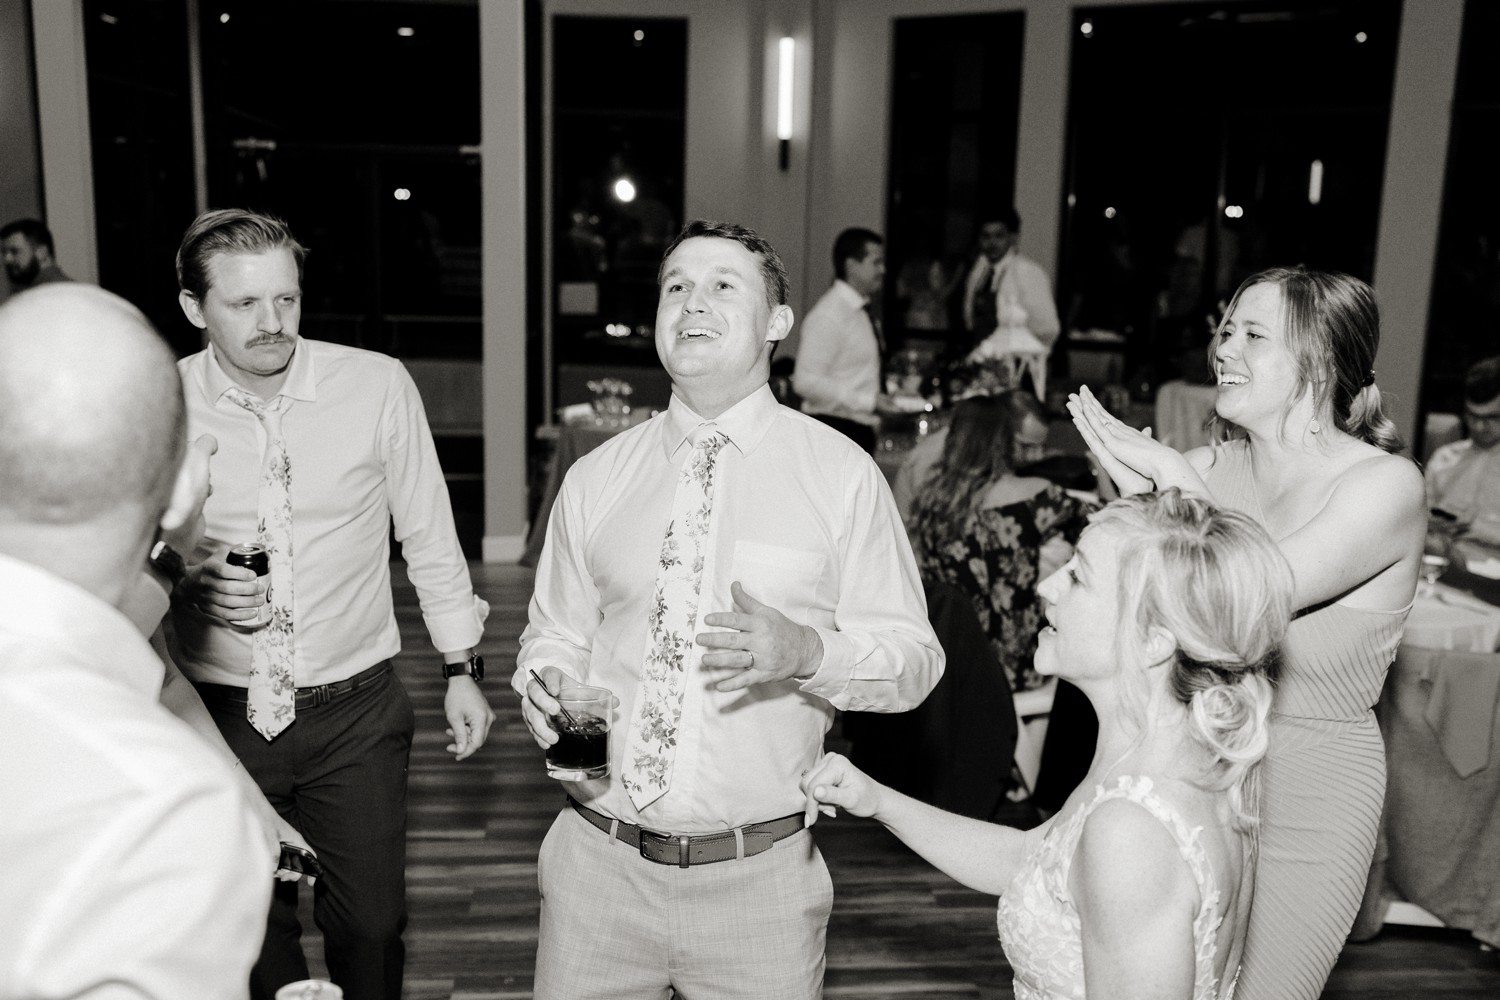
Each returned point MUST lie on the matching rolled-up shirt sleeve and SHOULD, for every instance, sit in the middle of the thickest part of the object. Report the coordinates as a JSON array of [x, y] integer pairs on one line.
[[564, 611], [423, 519], [881, 655]]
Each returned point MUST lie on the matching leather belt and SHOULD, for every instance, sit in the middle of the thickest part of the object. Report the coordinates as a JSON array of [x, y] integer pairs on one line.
[[308, 697], [704, 849]]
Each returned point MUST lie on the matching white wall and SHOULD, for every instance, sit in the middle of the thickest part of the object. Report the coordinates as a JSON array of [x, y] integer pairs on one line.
[[63, 111], [1411, 203], [502, 113]]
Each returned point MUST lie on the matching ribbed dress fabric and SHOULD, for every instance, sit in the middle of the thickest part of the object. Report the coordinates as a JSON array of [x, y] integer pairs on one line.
[[1323, 779]]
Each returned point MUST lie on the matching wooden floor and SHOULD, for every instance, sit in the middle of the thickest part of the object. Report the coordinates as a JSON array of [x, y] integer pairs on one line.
[[899, 928]]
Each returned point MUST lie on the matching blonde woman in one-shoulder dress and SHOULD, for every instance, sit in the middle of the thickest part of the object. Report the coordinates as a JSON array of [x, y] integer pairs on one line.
[[1305, 450]]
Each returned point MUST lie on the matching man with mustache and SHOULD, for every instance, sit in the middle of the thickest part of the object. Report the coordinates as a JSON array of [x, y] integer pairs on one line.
[[321, 448], [689, 865]]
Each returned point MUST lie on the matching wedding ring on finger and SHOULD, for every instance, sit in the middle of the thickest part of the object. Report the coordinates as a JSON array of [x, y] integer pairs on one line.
[[752, 658]]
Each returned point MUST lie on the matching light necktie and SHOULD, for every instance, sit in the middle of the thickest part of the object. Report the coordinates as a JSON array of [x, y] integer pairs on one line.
[[272, 697], [672, 624]]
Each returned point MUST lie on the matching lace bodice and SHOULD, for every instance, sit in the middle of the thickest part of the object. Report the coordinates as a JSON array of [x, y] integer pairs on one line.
[[1038, 921]]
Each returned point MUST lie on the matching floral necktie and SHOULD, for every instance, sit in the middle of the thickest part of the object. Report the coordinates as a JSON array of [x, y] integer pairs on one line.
[[272, 698], [672, 624]]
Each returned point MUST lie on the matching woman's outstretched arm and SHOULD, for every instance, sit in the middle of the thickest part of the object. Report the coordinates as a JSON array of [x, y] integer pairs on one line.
[[983, 856]]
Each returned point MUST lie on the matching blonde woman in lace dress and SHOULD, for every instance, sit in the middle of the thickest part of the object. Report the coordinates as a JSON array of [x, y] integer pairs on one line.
[[1168, 618]]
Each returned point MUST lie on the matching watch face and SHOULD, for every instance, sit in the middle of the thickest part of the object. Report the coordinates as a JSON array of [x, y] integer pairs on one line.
[[476, 667]]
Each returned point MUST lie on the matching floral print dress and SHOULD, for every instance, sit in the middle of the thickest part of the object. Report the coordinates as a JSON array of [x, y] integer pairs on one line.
[[994, 559]]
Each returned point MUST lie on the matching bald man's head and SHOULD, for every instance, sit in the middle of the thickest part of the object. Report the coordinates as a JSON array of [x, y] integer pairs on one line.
[[91, 412]]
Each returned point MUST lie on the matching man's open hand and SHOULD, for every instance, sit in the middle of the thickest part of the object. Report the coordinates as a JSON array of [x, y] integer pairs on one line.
[[765, 645]]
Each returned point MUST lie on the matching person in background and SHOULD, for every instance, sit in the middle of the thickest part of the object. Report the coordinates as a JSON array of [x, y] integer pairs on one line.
[[1003, 284], [1303, 446], [838, 359], [1168, 617], [323, 450], [134, 863], [986, 530], [782, 534], [26, 247], [1463, 478]]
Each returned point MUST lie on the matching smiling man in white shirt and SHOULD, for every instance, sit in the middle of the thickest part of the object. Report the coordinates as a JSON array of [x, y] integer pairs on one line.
[[134, 866], [838, 361], [783, 534], [322, 448]]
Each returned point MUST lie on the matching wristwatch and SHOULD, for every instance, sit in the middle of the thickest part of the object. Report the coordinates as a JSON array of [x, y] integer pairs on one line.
[[167, 562], [473, 666]]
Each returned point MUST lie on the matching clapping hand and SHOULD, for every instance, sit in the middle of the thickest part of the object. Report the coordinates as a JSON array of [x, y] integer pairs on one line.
[[765, 645], [1134, 459]]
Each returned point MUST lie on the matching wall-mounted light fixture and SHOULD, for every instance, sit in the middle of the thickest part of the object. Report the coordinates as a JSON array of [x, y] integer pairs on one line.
[[784, 98], [1315, 182]]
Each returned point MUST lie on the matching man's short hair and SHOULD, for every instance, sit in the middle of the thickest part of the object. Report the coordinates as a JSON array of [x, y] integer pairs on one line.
[[1482, 382], [852, 244], [772, 270], [234, 231], [36, 234], [1006, 216]]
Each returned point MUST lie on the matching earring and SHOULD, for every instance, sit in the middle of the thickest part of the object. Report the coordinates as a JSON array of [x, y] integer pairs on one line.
[[1315, 427]]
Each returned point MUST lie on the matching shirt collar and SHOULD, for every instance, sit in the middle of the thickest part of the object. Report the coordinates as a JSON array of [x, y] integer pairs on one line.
[[50, 612], [301, 377], [849, 293], [745, 423]]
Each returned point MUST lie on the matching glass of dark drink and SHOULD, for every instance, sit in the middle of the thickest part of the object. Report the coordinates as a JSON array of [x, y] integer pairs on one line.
[[582, 748]]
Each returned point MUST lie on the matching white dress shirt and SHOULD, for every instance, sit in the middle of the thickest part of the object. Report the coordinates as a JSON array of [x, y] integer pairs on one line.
[[134, 867], [1465, 480], [804, 521], [1015, 281], [361, 455], [838, 357]]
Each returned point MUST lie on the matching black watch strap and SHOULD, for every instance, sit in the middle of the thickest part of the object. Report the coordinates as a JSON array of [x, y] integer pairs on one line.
[[167, 562], [473, 666]]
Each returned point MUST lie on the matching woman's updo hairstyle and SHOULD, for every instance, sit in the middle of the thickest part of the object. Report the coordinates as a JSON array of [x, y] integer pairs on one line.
[[1333, 330], [1214, 580]]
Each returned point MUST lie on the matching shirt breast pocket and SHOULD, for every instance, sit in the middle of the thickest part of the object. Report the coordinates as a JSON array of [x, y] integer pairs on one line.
[[785, 578]]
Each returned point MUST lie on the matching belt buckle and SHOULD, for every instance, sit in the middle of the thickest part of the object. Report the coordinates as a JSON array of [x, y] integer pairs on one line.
[[683, 842]]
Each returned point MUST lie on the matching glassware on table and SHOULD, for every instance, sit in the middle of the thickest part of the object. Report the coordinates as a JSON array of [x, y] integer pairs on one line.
[[1437, 551], [611, 401], [582, 748]]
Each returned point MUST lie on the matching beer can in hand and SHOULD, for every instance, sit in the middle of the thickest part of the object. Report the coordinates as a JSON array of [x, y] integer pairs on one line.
[[310, 989], [253, 556]]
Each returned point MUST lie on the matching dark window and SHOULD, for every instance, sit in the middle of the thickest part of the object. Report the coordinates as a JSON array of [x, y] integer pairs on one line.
[[359, 124], [1207, 143], [140, 130], [1464, 323], [619, 105]]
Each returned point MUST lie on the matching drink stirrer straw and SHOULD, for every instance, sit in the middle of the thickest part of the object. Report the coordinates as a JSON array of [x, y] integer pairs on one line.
[[566, 714]]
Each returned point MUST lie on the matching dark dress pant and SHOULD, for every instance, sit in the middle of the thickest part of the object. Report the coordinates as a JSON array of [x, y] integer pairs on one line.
[[338, 774]]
